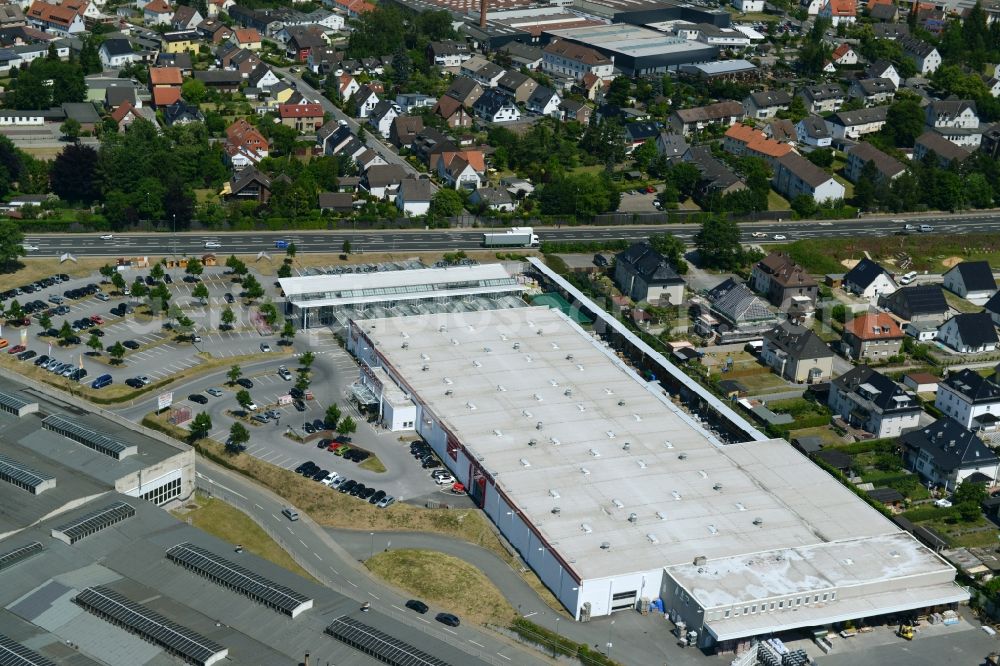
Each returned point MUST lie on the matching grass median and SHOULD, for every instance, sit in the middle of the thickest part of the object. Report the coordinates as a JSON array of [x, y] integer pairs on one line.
[[333, 509], [446, 582]]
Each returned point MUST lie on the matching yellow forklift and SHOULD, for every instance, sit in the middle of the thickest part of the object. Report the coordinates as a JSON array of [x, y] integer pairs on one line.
[[905, 631]]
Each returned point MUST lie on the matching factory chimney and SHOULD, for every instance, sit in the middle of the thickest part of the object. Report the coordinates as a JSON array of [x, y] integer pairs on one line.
[[482, 13]]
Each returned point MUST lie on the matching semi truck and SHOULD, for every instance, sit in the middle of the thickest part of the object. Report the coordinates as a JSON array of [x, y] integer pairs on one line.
[[513, 237]]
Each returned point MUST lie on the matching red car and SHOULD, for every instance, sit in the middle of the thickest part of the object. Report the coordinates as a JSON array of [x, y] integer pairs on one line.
[[16, 349], [333, 447], [97, 319], [650, 189]]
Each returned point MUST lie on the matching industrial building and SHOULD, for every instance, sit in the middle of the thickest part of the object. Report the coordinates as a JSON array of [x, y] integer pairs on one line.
[[333, 300], [636, 50], [614, 494]]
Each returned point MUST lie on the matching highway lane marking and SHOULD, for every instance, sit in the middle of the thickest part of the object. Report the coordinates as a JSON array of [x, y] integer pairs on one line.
[[276, 518], [397, 607], [450, 631], [504, 656], [423, 620], [259, 506], [351, 582], [475, 643], [318, 557], [372, 595], [334, 571], [302, 542]]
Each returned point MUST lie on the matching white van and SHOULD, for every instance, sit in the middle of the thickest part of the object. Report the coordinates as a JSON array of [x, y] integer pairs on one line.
[[290, 513], [908, 278]]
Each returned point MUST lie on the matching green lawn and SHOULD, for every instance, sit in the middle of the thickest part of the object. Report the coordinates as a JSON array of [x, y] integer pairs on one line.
[[959, 303], [777, 202], [848, 186], [765, 382], [927, 251], [826, 433]]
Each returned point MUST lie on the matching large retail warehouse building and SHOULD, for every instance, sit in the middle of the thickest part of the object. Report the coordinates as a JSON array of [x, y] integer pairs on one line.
[[613, 494]]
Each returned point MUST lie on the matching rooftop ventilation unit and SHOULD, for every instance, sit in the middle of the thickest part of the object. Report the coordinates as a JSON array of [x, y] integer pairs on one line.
[[637, 417], [568, 392], [553, 382], [848, 561], [449, 392], [537, 397], [555, 347], [569, 357], [740, 506], [526, 413], [609, 391], [626, 446], [700, 561], [477, 363], [579, 367], [682, 456], [538, 426], [503, 336], [652, 538], [425, 357], [595, 453], [677, 495], [527, 358], [555, 441], [712, 529], [425, 367], [447, 380], [758, 521], [531, 324], [633, 518], [621, 403], [585, 471], [471, 328], [538, 332], [618, 503], [524, 462], [661, 515], [668, 444], [406, 345], [517, 345], [702, 473], [470, 405], [605, 545], [554, 493], [556, 510], [532, 442], [642, 464], [442, 328], [405, 335], [500, 388], [454, 342], [581, 407], [717, 487], [610, 434], [586, 528], [497, 432]]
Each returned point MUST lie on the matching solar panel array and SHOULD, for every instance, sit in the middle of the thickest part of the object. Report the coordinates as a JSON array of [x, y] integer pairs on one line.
[[24, 477], [13, 653], [93, 522], [97, 441], [13, 404], [18, 555], [151, 626], [379, 645], [235, 577]]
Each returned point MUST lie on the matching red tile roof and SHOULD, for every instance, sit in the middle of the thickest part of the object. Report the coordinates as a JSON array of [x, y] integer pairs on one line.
[[843, 7], [300, 111], [874, 326], [56, 14], [158, 7], [165, 76], [165, 96], [119, 114], [247, 35], [756, 141]]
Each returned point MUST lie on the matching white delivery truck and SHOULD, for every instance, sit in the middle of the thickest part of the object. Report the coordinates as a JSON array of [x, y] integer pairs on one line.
[[513, 237]]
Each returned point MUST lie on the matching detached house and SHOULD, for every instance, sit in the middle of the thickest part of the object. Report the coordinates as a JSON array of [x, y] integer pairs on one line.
[[117, 53], [872, 335], [858, 156], [946, 454], [465, 90], [867, 399], [414, 196], [55, 19], [839, 11], [404, 129], [545, 102], [971, 399], [564, 58], [955, 120], [347, 86], [185, 18], [855, 124], [869, 280], [495, 107], [365, 100], [993, 307], [245, 145], [923, 55], [781, 280], [452, 112], [797, 354], [945, 151], [460, 169], [766, 103], [248, 185], [448, 54], [745, 141], [301, 117], [517, 86], [795, 175], [688, 121], [844, 55], [643, 274], [969, 333], [812, 131], [972, 280], [923, 304], [873, 92], [382, 116], [246, 38], [157, 12], [736, 314], [883, 69], [822, 98]]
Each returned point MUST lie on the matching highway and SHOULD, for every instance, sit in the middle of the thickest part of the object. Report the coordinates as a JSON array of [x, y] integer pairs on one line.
[[242, 242]]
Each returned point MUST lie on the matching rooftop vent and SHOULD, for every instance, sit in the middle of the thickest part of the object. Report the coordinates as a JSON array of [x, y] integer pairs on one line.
[[579, 367], [652, 538], [585, 471], [595, 453], [621, 403], [758, 521], [500, 388], [527, 357], [712, 529], [569, 357], [538, 426], [700, 561], [497, 432], [503, 336], [610, 434], [633, 518], [740, 507], [406, 345], [617, 502], [532, 442], [609, 391], [553, 382], [637, 417], [848, 561], [526, 413], [661, 515], [586, 528], [405, 335], [668, 444], [605, 545], [425, 357], [425, 367], [524, 462], [471, 328], [447, 380], [682, 456], [517, 345], [626, 446], [454, 342], [554, 493], [556, 510], [555, 441], [568, 392], [442, 328], [531, 324], [555, 346], [717, 487], [470, 405], [677, 495], [538, 332], [581, 407], [449, 392], [537, 397], [702, 473], [477, 363]]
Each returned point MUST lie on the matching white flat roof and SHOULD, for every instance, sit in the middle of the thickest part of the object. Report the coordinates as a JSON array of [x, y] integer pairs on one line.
[[561, 422], [625, 38], [354, 288]]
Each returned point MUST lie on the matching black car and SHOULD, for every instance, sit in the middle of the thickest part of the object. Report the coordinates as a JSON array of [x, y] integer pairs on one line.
[[44, 358], [368, 493], [323, 443], [430, 464], [376, 497], [301, 468], [299, 406], [199, 398], [78, 374], [72, 340], [360, 456], [27, 354], [229, 298], [245, 383], [62, 310], [167, 278], [448, 618], [357, 490], [310, 469], [96, 331], [133, 382], [150, 281], [319, 475], [319, 425], [131, 344], [191, 278], [348, 486], [308, 428], [296, 393], [417, 606], [52, 333]]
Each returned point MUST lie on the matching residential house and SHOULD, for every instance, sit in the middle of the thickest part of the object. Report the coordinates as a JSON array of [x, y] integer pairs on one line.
[[382, 182], [495, 107], [822, 98], [84, 113], [858, 156], [517, 86], [716, 177], [946, 454], [241, 61], [947, 152], [992, 306], [781, 280], [245, 145], [301, 117], [780, 129], [185, 18], [368, 159], [643, 274], [972, 280], [573, 110], [869, 280], [567, 59], [165, 77], [55, 19], [382, 116], [689, 121], [522, 55], [872, 335], [248, 185], [852, 125], [924, 56], [465, 90], [812, 131], [182, 113], [866, 399], [124, 115], [157, 12], [117, 53], [220, 80], [891, 31], [448, 54], [797, 354], [592, 87], [545, 102], [766, 103], [365, 100], [263, 78], [181, 61], [165, 96], [492, 198], [347, 86], [115, 96], [885, 12], [673, 146], [302, 39], [844, 55], [487, 74], [429, 144], [353, 8], [180, 41], [969, 333], [924, 305], [414, 196], [404, 129], [873, 92], [639, 133], [11, 16], [748, 6], [324, 60], [839, 11], [883, 69], [324, 18], [246, 38], [745, 141], [332, 136], [735, 314], [795, 175], [971, 399], [337, 202], [411, 103], [955, 120], [465, 169]]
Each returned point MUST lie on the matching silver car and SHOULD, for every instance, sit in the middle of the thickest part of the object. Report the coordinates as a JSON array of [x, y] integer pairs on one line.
[[68, 371]]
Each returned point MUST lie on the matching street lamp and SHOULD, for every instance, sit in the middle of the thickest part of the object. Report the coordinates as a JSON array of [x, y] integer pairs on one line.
[[371, 553], [610, 626]]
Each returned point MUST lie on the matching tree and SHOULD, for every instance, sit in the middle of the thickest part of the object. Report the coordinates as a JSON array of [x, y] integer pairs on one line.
[[446, 202], [200, 426], [74, 174], [288, 331], [346, 247], [970, 492], [193, 91], [904, 122], [156, 272], [238, 437], [200, 291], [45, 322], [139, 289], [821, 157], [244, 399], [302, 383], [15, 311], [194, 267], [11, 241], [804, 205], [672, 248], [228, 317], [332, 417], [718, 243], [291, 250], [90, 60], [347, 426], [864, 189], [306, 360], [233, 374], [107, 271], [252, 288], [95, 343], [71, 129], [283, 138], [118, 281], [65, 332], [284, 271], [117, 352]]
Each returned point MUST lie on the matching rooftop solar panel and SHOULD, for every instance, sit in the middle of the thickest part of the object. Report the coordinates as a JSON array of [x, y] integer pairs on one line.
[[16, 556], [93, 522], [90, 438], [15, 654], [151, 626], [24, 477], [244, 581], [379, 645]]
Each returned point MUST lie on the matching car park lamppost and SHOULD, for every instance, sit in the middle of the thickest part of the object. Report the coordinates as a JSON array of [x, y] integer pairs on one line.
[[371, 553]]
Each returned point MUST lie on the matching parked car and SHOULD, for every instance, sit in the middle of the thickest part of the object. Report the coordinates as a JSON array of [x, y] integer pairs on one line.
[[284, 373], [214, 392], [377, 497], [264, 347], [347, 486], [245, 383], [307, 427], [386, 501], [131, 344], [198, 398]]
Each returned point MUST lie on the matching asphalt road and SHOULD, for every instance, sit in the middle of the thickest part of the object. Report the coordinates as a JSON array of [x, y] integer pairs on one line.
[[453, 239]]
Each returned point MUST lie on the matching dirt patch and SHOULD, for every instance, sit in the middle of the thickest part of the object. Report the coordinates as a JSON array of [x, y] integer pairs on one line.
[[849, 263], [951, 262]]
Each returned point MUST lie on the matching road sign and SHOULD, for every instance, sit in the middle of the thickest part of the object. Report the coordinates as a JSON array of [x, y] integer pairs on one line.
[[164, 400]]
